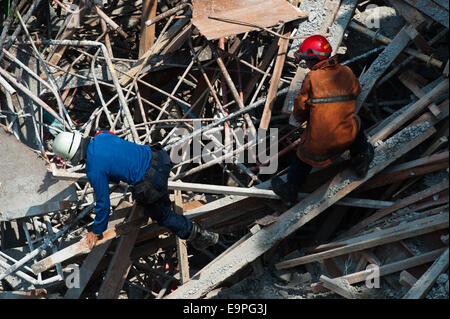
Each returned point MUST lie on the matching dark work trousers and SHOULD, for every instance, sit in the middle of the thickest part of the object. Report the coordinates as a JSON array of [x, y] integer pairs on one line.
[[161, 210], [299, 170]]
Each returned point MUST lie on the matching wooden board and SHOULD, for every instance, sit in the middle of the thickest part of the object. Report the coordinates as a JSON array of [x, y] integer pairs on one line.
[[393, 267], [398, 205], [369, 78], [408, 79], [147, 37], [183, 263], [121, 262], [264, 13], [95, 256], [414, 17], [431, 9], [339, 286], [424, 284], [371, 240], [275, 80]]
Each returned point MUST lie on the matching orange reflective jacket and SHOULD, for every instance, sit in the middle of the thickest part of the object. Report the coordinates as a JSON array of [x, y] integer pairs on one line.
[[327, 101]]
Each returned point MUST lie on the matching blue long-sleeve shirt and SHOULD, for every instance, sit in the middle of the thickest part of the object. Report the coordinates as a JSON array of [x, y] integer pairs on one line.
[[112, 159]]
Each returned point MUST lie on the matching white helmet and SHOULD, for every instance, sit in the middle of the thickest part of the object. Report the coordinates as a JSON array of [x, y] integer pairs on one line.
[[66, 144]]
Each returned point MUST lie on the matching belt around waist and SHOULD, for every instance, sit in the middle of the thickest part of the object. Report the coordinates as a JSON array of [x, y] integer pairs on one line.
[[332, 99], [153, 164]]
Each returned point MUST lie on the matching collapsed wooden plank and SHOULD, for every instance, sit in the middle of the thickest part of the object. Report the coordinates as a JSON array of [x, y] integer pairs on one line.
[[431, 9], [398, 205], [339, 286], [94, 257], [147, 37], [183, 263], [409, 112], [411, 15], [340, 24], [424, 226], [121, 262], [424, 284], [274, 82], [369, 78], [406, 170], [406, 279], [408, 78], [81, 247], [164, 40], [231, 190], [253, 247], [391, 268]]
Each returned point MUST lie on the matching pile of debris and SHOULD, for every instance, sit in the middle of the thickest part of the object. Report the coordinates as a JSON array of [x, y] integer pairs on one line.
[[185, 73]]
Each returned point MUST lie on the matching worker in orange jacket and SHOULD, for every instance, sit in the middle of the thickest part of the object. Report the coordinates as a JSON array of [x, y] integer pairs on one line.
[[325, 104]]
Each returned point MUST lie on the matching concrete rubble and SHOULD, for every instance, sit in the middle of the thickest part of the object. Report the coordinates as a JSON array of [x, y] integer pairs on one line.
[[189, 73]]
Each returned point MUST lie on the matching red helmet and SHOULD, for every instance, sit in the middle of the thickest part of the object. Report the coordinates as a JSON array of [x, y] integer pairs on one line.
[[315, 47]]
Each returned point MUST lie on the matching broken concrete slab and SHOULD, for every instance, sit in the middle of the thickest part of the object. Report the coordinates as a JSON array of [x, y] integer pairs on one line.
[[24, 179]]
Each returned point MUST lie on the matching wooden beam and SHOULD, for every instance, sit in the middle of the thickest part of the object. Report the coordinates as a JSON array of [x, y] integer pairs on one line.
[[232, 260], [268, 56], [339, 286], [369, 78], [340, 24], [411, 15], [155, 49], [406, 279], [409, 80], [410, 111], [183, 263], [231, 190], [424, 284], [398, 176], [95, 256], [431, 9], [147, 37], [392, 267], [81, 247], [121, 262], [367, 241], [398, 205], [275, 80]]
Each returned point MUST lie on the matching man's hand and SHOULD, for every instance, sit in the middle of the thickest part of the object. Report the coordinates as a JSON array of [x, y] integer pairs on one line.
[[91, 239]]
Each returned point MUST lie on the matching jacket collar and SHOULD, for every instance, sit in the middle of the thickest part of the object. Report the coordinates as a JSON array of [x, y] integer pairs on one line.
[[330, 62]]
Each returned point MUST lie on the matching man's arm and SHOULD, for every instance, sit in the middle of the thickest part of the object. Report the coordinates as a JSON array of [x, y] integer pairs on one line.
[[301, 108], [99, 182]]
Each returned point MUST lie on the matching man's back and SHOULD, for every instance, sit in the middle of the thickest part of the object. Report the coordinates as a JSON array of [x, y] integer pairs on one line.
[[120, 160], [112, 159]]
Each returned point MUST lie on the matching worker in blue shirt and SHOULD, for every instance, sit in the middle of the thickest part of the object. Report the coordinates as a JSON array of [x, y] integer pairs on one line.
[[111, 159]]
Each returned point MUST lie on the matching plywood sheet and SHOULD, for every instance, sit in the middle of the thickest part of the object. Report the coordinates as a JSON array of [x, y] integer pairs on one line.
[[264, 13]]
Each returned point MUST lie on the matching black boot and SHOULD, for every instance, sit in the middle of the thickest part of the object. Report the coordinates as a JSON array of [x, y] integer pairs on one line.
[[361, 161], [201, 238], [288, 192]]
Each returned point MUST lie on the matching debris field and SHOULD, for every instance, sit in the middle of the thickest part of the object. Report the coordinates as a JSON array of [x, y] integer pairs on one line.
[[212, 75]]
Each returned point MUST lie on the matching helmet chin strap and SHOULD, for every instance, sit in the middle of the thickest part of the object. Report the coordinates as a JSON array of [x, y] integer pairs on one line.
[[80, 155]]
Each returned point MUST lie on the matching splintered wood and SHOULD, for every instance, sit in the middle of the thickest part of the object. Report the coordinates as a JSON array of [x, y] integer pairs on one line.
[[214, 83]]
